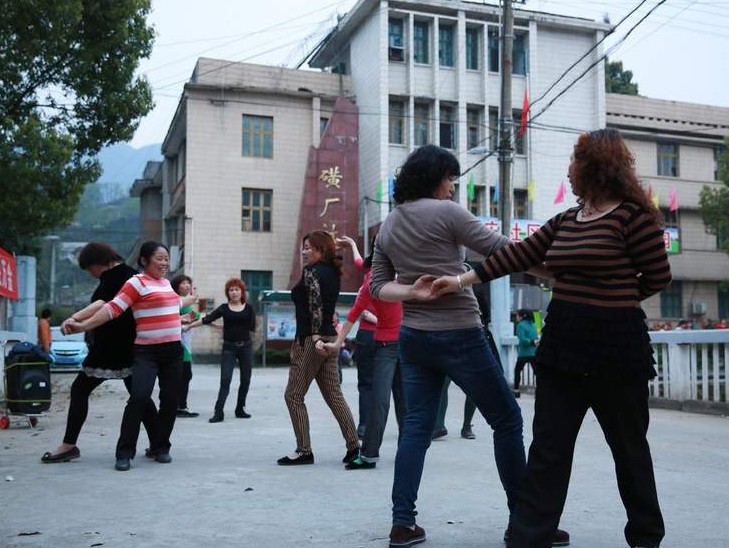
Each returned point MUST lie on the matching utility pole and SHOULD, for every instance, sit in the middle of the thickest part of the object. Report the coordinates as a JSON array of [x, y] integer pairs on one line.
[[500, 290]]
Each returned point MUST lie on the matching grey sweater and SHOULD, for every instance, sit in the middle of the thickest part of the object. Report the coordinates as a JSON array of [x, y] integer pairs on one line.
[[427, 236]]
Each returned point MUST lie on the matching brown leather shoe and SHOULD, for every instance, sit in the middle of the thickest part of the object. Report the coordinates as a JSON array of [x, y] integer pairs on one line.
[[401, 535]]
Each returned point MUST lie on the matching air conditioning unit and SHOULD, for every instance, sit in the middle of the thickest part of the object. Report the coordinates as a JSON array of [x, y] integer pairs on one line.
[[396, 53], [698, 308]]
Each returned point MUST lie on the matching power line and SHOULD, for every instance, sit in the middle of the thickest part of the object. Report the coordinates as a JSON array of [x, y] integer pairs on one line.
[[593, 48], [598, 61]]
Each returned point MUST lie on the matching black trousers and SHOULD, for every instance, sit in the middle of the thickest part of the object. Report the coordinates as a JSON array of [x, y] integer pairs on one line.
[[231, 355], [621, 408], [185, 384], [151, 362], [521, 362], [78, 407]]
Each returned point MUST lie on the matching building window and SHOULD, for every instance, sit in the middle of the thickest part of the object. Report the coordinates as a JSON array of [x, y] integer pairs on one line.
[[493, 203], [478, 205], [323, 125], [493, 49], [718, 153], [521, 203], [519, 51], [397, 122], [256, 210], [668, 159], [473, 123], [493, 128], [723, 302], [258, 136], [671, 299], [422, 124], [421, 42], [256, 281], [396, 40], [519, 137], [447, 127], [670, 218], [445, 45], [473, 46]]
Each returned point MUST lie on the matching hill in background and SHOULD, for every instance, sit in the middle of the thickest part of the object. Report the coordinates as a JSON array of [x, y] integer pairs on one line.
[[123, 164]]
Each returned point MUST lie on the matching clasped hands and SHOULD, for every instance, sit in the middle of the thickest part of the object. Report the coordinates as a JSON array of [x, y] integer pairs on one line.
[[429, 288]]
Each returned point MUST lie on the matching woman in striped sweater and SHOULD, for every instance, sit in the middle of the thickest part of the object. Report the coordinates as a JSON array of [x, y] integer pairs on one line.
[[607, 254], [157, 350]]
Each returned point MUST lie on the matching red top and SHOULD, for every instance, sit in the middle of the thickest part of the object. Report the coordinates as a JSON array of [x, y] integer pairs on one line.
[[363, 323], [389, 315]]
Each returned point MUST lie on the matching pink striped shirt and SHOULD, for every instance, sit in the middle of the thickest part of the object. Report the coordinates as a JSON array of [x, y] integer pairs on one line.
[[155, 306]]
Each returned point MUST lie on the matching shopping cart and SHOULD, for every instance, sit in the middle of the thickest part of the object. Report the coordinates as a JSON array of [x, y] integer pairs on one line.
[[26, 382]]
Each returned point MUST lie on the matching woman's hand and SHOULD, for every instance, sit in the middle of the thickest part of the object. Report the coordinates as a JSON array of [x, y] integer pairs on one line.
[[444, 285], [320, 347], [71, 326], [422, 289], [331, 347], [346, 240]]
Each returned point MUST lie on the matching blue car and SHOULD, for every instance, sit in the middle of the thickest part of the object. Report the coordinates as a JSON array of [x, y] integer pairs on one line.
[[68, 351]]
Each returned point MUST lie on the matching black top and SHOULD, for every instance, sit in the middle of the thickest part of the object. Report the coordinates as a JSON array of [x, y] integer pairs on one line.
[[315, 297], [111, 345], [237, 326]]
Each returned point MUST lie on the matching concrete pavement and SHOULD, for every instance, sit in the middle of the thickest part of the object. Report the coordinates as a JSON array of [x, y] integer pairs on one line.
[[224, 488]]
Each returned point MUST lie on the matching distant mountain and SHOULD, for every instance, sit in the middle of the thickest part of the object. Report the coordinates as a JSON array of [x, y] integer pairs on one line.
[[122, 164]]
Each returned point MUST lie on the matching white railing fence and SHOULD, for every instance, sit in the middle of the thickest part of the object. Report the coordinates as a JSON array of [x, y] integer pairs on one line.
[[691, 365]]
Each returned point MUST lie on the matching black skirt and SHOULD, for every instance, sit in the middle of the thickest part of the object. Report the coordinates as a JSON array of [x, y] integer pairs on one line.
[[597, 341]]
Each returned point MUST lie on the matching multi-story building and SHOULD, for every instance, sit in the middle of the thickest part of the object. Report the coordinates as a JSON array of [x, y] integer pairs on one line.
[[677, 148], [428, 71], [254, 157]]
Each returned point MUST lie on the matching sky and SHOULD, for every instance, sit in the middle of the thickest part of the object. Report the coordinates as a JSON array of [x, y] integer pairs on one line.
[[679, 52]]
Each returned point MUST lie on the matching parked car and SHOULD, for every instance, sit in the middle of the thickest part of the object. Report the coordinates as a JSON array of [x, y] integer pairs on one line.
[[68, 351]]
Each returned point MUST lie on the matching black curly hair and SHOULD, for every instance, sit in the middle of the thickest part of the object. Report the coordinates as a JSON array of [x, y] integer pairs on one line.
[[423, 170]]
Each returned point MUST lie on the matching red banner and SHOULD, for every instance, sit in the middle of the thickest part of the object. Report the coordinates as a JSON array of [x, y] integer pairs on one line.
[[8, 275]]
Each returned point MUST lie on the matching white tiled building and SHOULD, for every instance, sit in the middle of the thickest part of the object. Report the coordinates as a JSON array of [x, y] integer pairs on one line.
[[677, 147], [428, 72], [232, 182]]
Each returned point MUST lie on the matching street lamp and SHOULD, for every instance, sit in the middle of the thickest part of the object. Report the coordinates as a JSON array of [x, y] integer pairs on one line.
[[52, 239]]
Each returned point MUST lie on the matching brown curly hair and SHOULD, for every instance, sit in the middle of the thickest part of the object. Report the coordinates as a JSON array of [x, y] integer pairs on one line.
[[603, 168], [236, 282]]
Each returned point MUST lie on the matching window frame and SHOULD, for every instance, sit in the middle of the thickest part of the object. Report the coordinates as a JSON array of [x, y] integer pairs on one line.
[[260, 215], [396, 39], [520, 53], [421, 124], [421, 42], [494, 49], [396, 122], [474, 125], [667, 160], [448, 123], [446, 53], [473, 48], [257, 131], [672, 300]]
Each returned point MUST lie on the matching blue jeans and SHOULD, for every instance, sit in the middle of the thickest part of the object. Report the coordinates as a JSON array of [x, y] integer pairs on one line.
[[463, 355], [364, 355], [387, 378], [233, 353]]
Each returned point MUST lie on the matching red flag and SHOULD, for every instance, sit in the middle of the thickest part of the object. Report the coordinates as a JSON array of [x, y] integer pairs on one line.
[[672, 200], [524, 113], [561, 193]]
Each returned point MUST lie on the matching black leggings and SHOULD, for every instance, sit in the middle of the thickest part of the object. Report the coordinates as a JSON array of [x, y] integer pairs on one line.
[[78, 408], [521, 362]]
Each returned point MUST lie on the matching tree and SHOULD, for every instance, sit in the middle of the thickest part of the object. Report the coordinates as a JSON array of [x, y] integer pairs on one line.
[[618, 80], [67, 72], [714, 202]]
